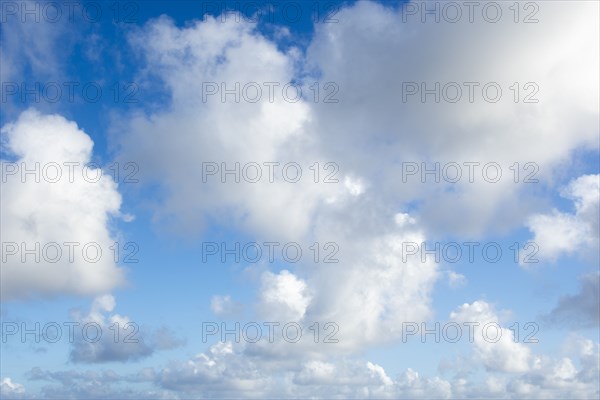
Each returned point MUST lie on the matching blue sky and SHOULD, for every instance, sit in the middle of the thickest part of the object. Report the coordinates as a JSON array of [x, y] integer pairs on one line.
[[163, 122]]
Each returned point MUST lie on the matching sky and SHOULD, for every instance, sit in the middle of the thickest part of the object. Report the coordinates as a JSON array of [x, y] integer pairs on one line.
[[300, 199]]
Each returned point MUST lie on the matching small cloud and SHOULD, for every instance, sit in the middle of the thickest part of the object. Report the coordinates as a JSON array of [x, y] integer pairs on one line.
[[403, 219], [456, 280], [561, 233], [128, 217], [224, 306], [122, 339], [354, 186], [8, 388]]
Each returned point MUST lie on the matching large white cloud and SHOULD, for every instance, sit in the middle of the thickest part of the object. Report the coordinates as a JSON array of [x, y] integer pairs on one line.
[[494, 346], [51, 212], [371, 52], [376, 285], [191, 132], [170, 144], [372, 290]]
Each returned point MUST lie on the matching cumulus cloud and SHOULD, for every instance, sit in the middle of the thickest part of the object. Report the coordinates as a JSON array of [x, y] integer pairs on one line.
[[226, 369], [223, 133], [375, 49], [572, 376], [41, 213], [514, 370], [373, 288], [368, 245], [364, 297], [494, 346], [121, 339], [561, 233], [283, 297]]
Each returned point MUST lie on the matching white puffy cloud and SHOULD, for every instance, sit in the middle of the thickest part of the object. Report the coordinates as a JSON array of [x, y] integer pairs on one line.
[[370, 52], [363, 298], [494, 346], [375, 286], [190, 131], [372, 290], [48, 214], [412, 384], [587, 351], [122, 346], [219, 371], [561, 233], [573, 376], [121, 338], [514, 371], [283, 297], [226, 370], [11, 390]]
